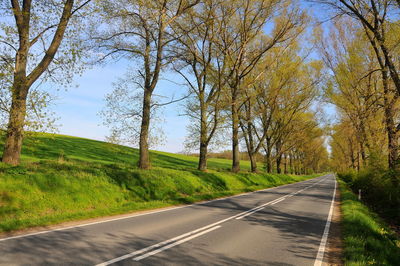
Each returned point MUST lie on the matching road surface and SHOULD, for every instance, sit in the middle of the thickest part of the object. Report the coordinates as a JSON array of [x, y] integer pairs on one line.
[[278, 226]]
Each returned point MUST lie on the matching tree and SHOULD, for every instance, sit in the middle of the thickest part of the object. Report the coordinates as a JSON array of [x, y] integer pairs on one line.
[[362, 90], [197, 56], [285, 90], [122, 113], [244, 44], [39, 116], [374, 16], [141, 30], [39, 27]]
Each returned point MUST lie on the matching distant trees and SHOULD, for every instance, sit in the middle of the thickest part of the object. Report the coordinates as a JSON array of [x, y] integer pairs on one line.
[[32, 48]]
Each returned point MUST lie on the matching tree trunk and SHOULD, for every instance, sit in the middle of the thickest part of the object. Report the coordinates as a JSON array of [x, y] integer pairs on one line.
[[392, 146], [144, 158], [203, 157], [278, 147], [363, 155], [235, 138], [392, 132], [203, 136], [285, 164], [15, 129], [352, 158], [278, 164], [253, 162], [268, 160]]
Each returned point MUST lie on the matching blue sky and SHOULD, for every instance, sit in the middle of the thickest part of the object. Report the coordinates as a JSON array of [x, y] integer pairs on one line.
[[78, 107]]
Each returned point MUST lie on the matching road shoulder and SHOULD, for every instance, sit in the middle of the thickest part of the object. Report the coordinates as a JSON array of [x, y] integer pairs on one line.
[[334, 251]]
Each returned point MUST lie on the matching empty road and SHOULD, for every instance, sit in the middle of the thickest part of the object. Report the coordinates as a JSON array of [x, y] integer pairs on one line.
[[277, 226]]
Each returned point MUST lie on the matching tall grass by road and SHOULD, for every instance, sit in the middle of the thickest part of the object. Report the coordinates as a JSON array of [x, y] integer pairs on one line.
[[64, 178], [367, 239]]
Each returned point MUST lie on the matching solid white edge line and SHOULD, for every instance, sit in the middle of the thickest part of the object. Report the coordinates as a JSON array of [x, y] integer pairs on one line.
[[320, 255], [153, 252], [147, 213], [132, 254]]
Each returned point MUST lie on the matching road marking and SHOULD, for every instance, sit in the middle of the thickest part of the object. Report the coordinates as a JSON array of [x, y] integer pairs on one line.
[[259, 208], [148, 213], [277, 201], [138, 252], [151, 253], [250, 213], [194, 232], [93, 223], [324, 239]]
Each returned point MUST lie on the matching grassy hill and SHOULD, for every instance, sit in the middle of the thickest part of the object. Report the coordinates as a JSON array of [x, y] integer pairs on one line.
[[64, 178]]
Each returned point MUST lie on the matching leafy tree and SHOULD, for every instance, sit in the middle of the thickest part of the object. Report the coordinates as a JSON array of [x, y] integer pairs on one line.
[[364, 94], [141, 30], [198, 57], [122, 113], [32, 47], [243, 43]]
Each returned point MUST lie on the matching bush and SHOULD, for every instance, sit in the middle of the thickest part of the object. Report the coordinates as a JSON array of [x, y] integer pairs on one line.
[[377, 189], [347, 177], [367, 239]]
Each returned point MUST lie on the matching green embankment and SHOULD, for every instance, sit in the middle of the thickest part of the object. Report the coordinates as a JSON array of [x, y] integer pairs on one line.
[[65, 178], [367, 240]]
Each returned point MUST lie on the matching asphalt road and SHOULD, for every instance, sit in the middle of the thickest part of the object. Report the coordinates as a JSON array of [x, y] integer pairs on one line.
[[277, 226]]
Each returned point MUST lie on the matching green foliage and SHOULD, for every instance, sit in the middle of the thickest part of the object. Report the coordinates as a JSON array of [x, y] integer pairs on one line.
[[348, 176], [64, 178], [367, 240], [377, 189]]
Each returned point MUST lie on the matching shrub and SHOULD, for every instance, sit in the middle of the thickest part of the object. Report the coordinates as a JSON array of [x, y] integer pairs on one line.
[[377, 189]]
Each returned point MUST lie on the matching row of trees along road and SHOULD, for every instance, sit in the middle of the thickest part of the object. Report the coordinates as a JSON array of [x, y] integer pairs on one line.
[[361, 52], [241, 62]]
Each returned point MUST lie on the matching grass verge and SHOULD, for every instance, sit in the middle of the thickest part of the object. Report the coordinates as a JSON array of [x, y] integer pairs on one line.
[[367, 239], [63, 178]]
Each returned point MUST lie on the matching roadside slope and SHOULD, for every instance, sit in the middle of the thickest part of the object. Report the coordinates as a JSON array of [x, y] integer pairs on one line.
[[63, 178], [367, 239]]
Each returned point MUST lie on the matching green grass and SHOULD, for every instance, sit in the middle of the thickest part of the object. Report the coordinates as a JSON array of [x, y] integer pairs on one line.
[[64, 178], [367, 240]]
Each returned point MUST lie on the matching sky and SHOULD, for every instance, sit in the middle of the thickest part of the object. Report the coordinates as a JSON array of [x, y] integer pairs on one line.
[[77, 107]]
